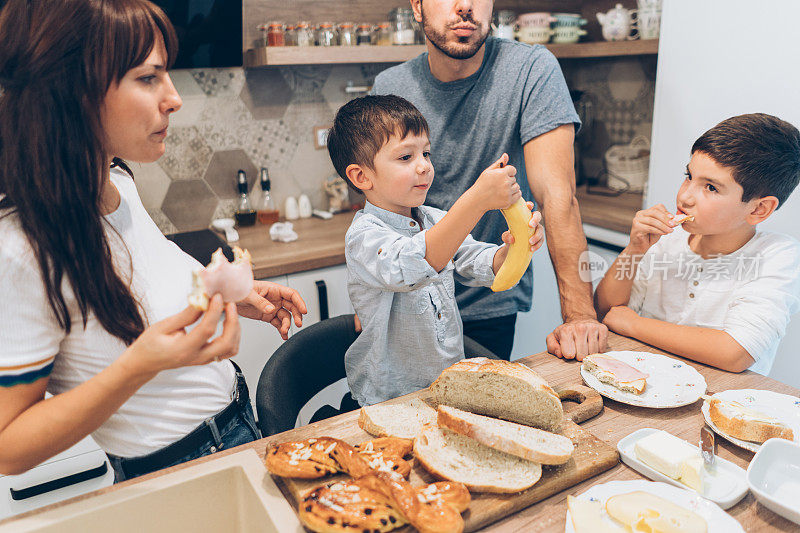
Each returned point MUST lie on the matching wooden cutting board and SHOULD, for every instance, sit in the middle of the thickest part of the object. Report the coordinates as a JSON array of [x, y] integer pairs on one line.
[[591, 457]]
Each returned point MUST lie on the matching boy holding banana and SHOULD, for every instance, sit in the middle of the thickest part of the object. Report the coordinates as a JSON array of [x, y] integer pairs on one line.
[[402, 257]]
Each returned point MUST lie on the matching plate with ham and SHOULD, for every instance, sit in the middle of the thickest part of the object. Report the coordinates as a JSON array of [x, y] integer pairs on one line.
[[644, 379]]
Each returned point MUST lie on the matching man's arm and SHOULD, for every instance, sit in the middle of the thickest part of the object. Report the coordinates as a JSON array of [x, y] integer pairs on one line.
[[704, 345], [551, 175]]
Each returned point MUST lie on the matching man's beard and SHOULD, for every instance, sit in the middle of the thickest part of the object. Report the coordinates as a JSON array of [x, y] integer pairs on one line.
[[462, 49]]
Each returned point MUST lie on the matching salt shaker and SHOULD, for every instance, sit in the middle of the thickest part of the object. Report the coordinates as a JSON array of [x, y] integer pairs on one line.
[[304, 206], [291, 209]]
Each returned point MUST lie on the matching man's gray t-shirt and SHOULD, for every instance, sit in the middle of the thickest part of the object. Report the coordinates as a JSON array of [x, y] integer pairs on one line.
[[517, 94]]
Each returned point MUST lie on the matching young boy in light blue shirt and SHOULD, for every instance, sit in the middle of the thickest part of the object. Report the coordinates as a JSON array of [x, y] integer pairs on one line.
[[401, 256]]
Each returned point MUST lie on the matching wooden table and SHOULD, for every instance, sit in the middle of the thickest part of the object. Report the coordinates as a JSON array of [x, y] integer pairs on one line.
[[615, 422]]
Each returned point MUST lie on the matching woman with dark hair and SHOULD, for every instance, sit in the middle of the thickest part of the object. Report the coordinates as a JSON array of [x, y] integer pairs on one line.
[[93, 294]]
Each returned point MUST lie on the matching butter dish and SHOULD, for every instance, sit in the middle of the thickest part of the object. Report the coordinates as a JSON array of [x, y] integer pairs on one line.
[[774, 477], [725, 487]]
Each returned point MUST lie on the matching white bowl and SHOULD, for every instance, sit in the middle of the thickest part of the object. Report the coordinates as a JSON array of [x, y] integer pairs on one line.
[[774, 477]]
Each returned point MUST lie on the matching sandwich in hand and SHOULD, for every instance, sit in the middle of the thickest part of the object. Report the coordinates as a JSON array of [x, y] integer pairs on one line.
[[615, 373], [233, 281], [680, 218]]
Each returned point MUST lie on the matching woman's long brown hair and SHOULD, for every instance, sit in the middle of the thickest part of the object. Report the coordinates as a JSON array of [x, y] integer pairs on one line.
[[58, 59]]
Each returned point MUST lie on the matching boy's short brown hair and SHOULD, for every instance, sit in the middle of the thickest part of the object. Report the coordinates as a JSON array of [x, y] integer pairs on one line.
[[762, 151], [363, 125]]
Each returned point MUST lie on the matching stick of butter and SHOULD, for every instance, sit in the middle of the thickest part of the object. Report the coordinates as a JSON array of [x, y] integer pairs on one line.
[[665, 452]]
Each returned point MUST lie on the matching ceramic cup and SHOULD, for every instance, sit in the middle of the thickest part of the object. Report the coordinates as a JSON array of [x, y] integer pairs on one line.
[[567, 34], [569, 20], [534, 34], [539, 19], [644, 5], [649, 24]]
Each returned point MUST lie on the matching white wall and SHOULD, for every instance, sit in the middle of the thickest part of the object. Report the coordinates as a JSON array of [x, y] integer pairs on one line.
[[716, 59]]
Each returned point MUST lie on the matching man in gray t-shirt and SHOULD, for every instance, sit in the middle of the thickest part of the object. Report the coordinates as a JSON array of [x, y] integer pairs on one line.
[[482, 97]]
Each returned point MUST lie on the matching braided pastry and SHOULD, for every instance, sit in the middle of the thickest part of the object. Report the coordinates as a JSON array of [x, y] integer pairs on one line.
[[318, 457], [381, 502]]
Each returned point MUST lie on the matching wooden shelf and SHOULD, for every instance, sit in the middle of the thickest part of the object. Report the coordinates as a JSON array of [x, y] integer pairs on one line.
[[322, 55]]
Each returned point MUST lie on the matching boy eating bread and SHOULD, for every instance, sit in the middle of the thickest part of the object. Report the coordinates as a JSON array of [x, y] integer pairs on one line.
[[402, 256], [705, 283]]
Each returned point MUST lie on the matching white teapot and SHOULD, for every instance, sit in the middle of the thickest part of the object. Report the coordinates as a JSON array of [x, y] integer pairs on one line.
[[617, 24]]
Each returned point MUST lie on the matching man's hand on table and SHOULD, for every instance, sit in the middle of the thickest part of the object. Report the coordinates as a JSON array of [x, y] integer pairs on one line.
[[274, 303], [577, 338]]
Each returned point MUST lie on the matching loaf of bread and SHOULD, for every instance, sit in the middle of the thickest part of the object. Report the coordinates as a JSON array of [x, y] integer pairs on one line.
[[403, 419], [452, 456], [746, 424], [526, 442], [616, 373], [500, 389]]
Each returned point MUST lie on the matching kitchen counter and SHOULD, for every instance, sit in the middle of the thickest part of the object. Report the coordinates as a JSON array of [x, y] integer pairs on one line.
[[616, 421], [320, 244]]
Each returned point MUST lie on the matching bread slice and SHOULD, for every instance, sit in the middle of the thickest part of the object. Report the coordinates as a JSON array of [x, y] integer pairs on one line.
[[455, 457], [529, 443], [746, 424], [404, 419], [616, 373], [501, 389]]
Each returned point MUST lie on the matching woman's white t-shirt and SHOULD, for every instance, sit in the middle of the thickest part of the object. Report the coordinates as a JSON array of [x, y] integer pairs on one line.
[[750, 294], [32, 344]]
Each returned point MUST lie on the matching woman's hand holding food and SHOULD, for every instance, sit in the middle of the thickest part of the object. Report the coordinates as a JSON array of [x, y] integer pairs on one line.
[[167, 344], [648, 226], [496, 187], [536, 240], [274, 303]]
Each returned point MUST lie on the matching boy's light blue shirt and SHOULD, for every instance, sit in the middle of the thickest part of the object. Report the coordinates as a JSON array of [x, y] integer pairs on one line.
[[411, 325]]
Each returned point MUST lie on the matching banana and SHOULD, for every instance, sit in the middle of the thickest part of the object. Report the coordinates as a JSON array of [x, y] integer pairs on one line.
[[519, 252]]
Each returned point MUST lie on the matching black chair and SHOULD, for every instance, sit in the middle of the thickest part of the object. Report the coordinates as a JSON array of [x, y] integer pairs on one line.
[[309, 361]]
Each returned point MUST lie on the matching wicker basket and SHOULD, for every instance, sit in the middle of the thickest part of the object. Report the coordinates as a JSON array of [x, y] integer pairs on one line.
[[627, 165]]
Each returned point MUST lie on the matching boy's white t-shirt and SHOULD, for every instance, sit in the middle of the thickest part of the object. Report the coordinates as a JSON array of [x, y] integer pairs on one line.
[[750, 294], [33, 345]]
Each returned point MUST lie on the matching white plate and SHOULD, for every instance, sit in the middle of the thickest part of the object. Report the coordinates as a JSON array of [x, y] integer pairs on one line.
[[781, 406], [725, 488], [718, 520], [670, 382]]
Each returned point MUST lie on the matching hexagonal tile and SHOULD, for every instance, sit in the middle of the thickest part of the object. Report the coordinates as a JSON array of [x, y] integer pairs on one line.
[[310, 169], [222, 172], [164, 224], [333, 90], [219, 81], [266, 93], [269, 143], [151, 183], [283, 186], [224, 121], [187, 154], [189, 205], [306, 81], [302, 117]]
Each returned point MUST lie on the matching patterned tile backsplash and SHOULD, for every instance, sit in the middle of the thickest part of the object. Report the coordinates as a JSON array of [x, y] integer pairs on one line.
[[237, 118]]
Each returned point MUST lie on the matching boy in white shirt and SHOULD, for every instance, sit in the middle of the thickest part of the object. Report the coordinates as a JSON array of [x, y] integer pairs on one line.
[[714, 289], [402, 256]]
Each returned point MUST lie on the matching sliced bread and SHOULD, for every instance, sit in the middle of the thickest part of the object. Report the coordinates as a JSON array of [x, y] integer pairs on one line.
[[455, 457], [746, 424], [404, 419], [523, 441], [501, 389], [616, 373]]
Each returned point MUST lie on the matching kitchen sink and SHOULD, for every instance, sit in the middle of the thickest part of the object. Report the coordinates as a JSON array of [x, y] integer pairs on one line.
[[229, 494]]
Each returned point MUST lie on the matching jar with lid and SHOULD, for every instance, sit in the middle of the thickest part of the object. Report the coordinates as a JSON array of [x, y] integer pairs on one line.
[[364, 33], [304, 34], [262, 36], [275, 34], [402, 28], [383, 35], [503, 26], [291, 35], [326, 35], [347, 34]]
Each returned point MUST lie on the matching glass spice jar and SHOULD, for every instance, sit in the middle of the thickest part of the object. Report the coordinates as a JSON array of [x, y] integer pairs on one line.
[[262, 39], [403, 30], [275, 34], [364, 34], [383, 35], [326, 35], [347, 34], [291, 35], [305, 34]]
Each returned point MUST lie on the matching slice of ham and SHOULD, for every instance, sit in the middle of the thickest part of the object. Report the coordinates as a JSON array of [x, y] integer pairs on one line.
[[624, 372], [233, 281], [680, 218]]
